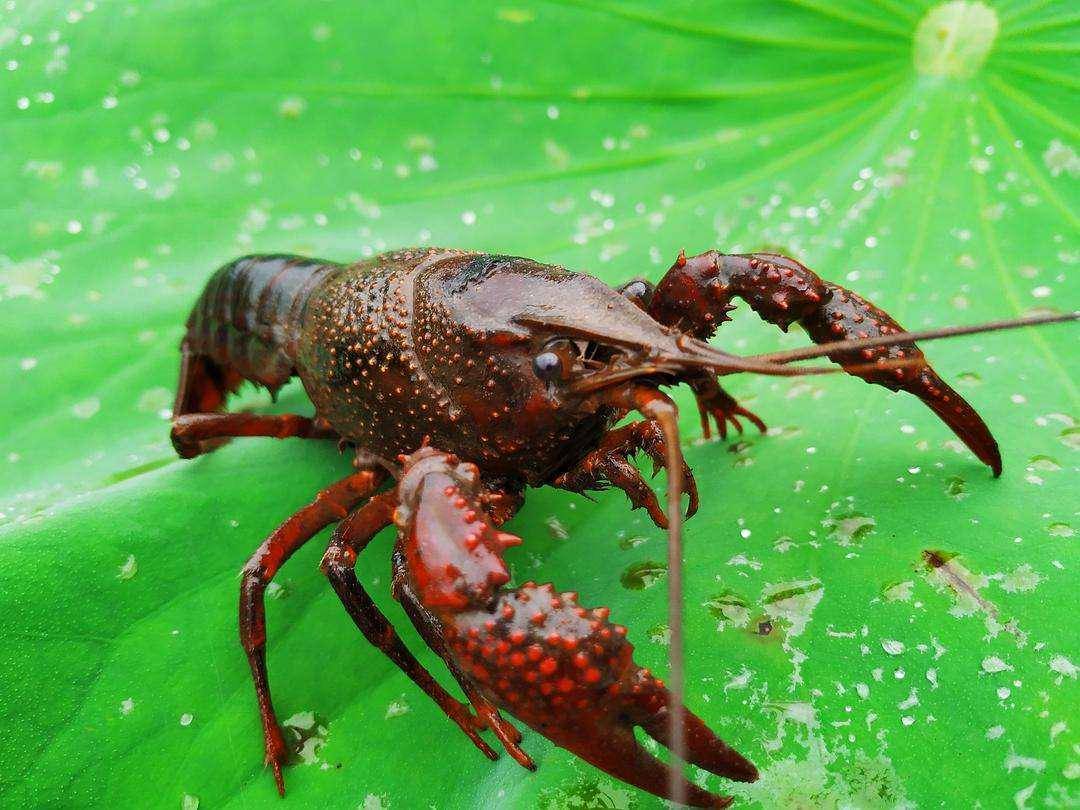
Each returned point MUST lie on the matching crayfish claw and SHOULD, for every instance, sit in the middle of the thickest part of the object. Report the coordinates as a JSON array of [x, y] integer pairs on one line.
[[561, 668], [616, 752], [703, 748]]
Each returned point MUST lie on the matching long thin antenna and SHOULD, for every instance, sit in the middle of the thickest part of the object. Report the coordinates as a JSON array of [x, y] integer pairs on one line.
[[676, 661], [833, 347]]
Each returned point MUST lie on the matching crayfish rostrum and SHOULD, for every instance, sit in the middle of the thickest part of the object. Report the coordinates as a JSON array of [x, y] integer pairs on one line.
[[460, 378]]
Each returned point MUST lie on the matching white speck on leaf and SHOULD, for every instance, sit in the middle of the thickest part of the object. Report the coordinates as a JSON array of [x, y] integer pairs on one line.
[[740, 681], [1063, 667], [794, 602], [556, 528], [86, 408], [1021, 796], [1014, 760], [1024, 578], [129, 569], [1061, 158], [892, 646], [900, 592], [397, 708], [304, 721], [992, 664], [292, 107]]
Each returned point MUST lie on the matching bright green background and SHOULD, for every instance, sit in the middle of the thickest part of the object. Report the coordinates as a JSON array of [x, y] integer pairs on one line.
[[146, 143]]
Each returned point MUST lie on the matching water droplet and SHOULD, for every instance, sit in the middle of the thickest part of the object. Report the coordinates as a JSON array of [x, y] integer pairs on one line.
[[129, 569], [956, 488]]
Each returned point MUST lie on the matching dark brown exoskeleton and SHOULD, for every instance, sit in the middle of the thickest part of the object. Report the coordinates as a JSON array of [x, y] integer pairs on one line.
[[468, 377]]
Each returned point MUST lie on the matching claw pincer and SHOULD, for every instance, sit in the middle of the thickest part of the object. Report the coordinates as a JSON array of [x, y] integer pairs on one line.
[[696, 294], [563, 669]]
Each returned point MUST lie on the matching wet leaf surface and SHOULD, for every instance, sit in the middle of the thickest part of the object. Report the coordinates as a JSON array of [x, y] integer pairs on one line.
[[925, 158]]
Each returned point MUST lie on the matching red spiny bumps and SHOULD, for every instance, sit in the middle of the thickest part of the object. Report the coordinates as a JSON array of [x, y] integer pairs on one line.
[[846, 315], [553, 655]]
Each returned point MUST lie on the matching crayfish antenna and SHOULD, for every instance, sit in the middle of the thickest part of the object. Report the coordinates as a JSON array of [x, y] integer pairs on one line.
[[835, 346], [654, 405]]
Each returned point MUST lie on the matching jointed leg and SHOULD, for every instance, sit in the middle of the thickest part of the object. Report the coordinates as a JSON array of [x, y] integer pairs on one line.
[[695, 296], [609, 465], [200, 425], [192, 433], [330, 505], [488, 715], [350, 538], [712, 400]]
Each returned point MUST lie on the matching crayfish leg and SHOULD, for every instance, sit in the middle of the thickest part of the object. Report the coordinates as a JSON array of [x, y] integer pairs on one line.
[[329, 506], [339, 565]]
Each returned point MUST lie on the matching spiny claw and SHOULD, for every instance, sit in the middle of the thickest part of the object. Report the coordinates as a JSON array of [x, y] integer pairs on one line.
[[847, 315], [563, 669], [568, 672], [955, 412]]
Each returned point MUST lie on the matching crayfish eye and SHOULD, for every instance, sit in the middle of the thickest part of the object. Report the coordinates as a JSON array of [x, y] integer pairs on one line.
[[548, 366], [556, 360]]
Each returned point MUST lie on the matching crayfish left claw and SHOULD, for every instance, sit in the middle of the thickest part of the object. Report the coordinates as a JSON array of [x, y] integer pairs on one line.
[[606, 739], [621, 756], [703, 748]]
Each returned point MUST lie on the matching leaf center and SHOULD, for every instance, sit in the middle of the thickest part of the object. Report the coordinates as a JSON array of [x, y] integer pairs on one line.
[[954, 39]]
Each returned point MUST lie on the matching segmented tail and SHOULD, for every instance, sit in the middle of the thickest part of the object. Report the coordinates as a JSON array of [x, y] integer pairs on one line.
[[245, 326]]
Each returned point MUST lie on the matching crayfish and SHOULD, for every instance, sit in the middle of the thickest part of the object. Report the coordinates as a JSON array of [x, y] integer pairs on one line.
[[460, 378]]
